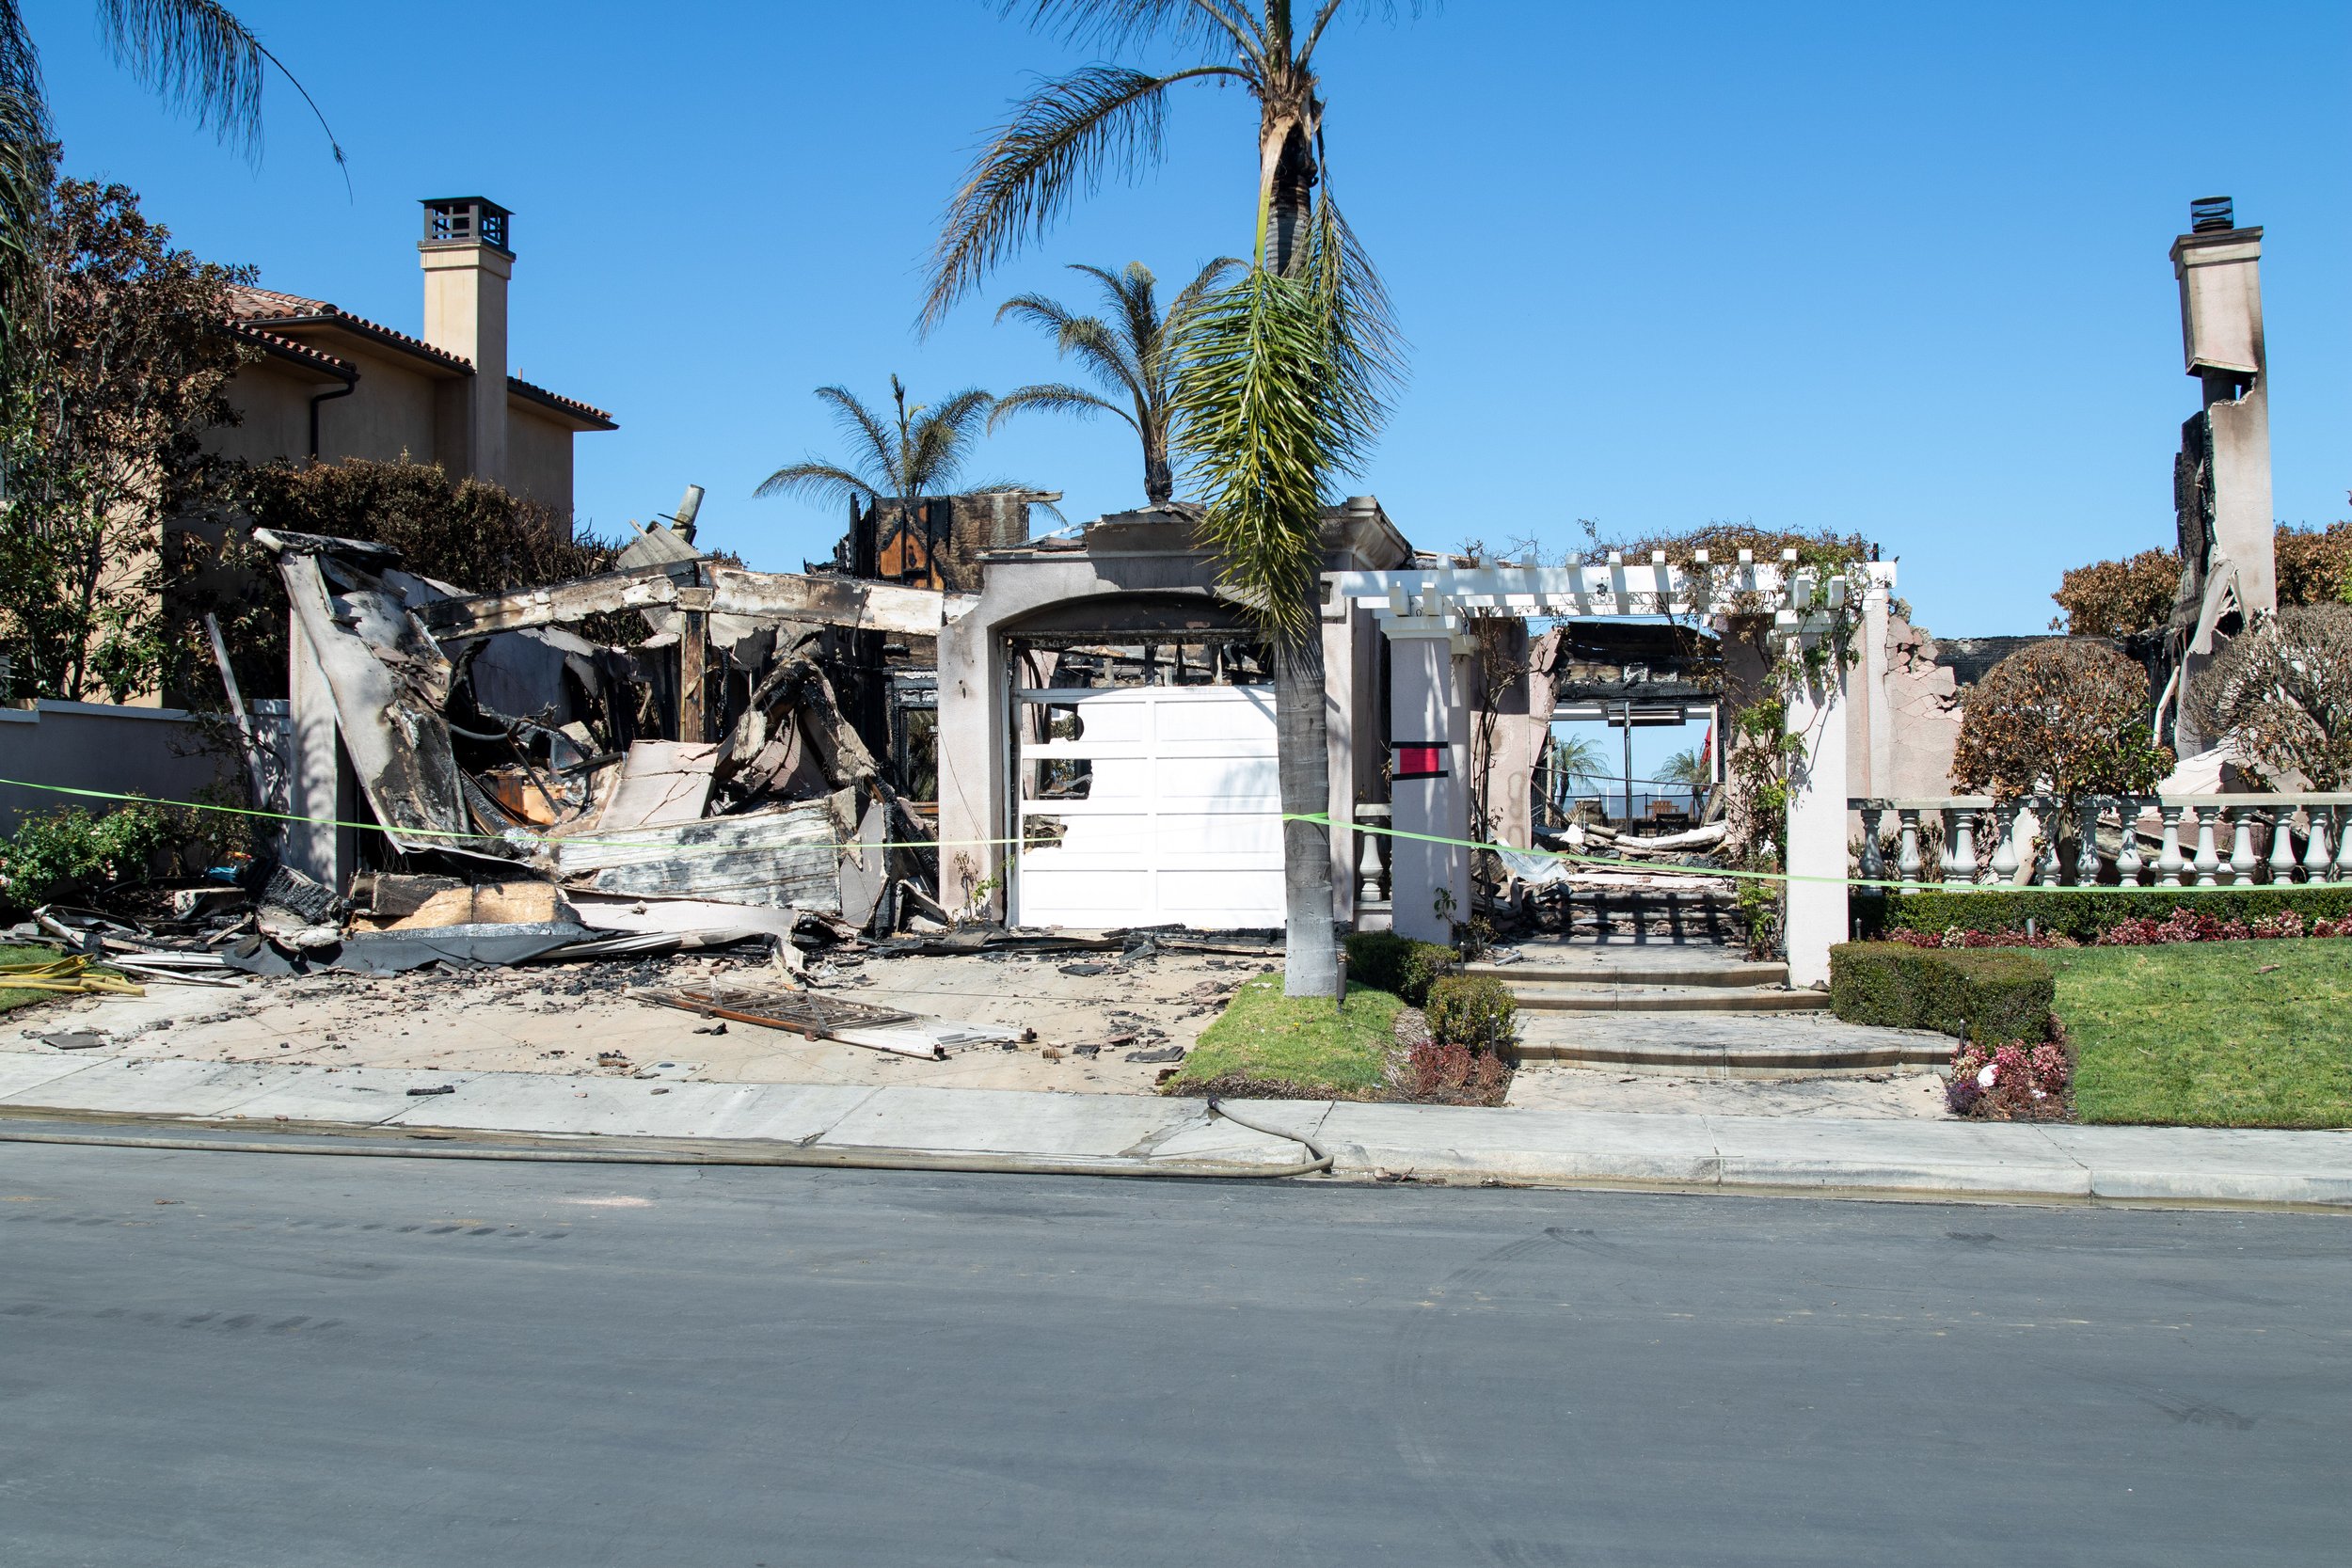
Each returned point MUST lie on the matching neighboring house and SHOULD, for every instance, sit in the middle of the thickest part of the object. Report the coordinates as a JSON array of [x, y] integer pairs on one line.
[[330, 383]]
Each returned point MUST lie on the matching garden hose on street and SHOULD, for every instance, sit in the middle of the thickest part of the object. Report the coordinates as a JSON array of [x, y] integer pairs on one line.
[[1322, 1160]]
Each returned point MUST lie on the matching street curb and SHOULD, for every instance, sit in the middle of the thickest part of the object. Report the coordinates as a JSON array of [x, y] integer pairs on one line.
[[1354, 1163], [522, 1116]]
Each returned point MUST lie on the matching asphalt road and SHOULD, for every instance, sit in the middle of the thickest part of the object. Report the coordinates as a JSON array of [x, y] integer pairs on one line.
[[251, 1360]]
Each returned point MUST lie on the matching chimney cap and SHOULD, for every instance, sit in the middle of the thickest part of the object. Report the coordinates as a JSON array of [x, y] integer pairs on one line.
[[2211, 214], [468, 220]]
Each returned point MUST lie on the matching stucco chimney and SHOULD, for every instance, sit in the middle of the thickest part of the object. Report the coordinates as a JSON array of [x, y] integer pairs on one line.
[[2222, 484], [468, 256]]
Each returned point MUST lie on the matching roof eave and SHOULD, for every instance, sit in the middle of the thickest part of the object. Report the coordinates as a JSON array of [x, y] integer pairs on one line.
[[317, 361], [579, 416], [369, 333]]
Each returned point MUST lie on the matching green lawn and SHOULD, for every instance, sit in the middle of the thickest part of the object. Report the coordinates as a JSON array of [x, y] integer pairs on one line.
[[1316, 1050], [17, 996], [2189, 1035]]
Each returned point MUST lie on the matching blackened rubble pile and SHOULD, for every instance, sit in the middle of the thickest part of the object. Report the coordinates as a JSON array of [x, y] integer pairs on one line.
[[548, 788]]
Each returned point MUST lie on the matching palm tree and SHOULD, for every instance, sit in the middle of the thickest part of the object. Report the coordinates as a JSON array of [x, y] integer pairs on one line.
[[921, 454], [1131, 355], [1280, 374], [1574, 759], [193, 54], [921, 458], [1686, 768]]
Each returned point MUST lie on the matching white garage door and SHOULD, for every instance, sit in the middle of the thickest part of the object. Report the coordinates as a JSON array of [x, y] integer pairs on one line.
[[1180, 820]]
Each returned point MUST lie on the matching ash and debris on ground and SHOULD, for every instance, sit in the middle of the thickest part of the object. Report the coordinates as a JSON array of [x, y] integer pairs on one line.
[[1110, 1033]]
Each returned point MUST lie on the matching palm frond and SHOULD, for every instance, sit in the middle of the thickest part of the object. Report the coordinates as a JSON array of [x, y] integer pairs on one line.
[[1116, 25], [964, 412], [1385, 10], [916, 450], [1136, 292], [196, 56], [939, 441], [27, 168], [1038, 310], [1363, 323], [1053, 398], [879, 457], [1059, 145], [1279, 392], [1576, 757], [824, 481], [1188, 300], [1261, 442], [1207, 279], [1103, 349]]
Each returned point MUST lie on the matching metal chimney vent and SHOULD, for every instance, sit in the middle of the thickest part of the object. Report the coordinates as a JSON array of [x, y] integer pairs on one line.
[[468, 220], [2210, 215]]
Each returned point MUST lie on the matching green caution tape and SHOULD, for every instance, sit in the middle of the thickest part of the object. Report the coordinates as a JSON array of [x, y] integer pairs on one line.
[[1320, 820]]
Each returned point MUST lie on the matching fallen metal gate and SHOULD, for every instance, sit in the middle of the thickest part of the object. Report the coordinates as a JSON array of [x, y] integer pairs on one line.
[[1147, 805]]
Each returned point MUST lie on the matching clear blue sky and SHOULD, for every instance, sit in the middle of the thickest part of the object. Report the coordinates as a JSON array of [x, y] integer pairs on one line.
[[1879, 267]]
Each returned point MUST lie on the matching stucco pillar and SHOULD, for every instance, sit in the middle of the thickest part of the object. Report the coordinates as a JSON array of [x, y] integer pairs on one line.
[[1876, 775], [1340, 708], [319, 783], [972, 727], [1429, 726], [1816, 830]]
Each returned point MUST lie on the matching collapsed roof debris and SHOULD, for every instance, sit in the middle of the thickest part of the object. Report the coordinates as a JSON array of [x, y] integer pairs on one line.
[[625, 787]]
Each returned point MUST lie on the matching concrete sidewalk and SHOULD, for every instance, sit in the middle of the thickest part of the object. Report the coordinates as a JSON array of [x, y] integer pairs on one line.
[[1141, 1134]]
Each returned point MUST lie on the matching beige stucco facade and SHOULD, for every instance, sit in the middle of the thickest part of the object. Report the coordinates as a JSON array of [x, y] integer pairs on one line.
[[329, 384]]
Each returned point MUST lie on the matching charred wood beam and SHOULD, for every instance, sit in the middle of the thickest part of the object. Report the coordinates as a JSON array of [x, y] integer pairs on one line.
[[832, 601], [641, 588], [883, 607], [693, 665], [285, 541]]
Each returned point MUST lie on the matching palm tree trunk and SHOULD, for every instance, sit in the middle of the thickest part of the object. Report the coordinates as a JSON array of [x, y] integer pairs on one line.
[[1310, 964], [1286, 177], [1309, 947], [1159, 478]]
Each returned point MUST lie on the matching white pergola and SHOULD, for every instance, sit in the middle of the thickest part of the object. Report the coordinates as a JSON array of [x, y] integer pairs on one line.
[[1425, 613]]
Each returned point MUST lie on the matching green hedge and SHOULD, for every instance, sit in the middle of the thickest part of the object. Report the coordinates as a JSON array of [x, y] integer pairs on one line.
[[1398, 965], [2000, 996], [2084, 915], [1471, 1010]]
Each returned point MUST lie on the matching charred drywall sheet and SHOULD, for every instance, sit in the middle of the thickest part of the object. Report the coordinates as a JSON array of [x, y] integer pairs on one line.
[[389, 681], [483, 727], [782, 858]]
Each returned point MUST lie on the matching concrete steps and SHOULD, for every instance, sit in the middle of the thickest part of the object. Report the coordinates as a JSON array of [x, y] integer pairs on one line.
[[1647, 979], [1691, 1010], [1796, 1045], [1654, 967], [1707, 998]]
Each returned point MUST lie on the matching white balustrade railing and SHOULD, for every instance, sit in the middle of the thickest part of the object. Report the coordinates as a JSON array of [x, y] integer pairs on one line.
[[2199, 841], [1372, 857]]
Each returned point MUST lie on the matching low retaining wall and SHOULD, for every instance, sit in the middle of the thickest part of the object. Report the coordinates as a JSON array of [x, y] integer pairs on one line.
[[142, 751]]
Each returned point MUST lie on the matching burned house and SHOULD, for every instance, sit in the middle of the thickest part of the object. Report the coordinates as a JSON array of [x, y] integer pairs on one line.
[[707, 762], [1103, 715]]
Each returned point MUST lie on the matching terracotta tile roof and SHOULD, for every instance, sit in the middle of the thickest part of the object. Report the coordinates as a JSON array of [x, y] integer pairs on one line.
[[573, 406], [301, 353], [247, 303], [253, 311], [267, 307]]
